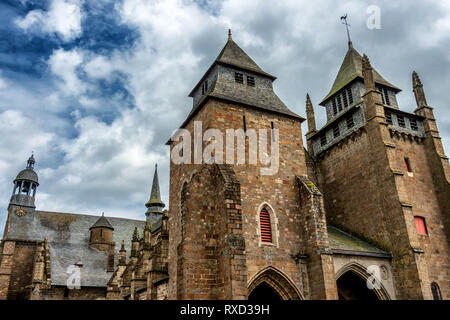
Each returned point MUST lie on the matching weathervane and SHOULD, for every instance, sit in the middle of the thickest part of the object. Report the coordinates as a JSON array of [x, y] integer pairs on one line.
[[344, 21]]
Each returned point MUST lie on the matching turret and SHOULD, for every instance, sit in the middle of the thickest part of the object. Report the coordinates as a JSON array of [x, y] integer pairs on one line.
[[122, 255], [101, 234], [25, 186], [135, 244]]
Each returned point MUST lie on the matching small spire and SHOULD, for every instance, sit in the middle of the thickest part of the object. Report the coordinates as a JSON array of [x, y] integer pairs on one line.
[[229, 35], [310, 114], [103, 213], [308, 102], [122, 247], [367, 71], [31, 161], [135, 235], [155, 195], [416, 80], [419, 93]]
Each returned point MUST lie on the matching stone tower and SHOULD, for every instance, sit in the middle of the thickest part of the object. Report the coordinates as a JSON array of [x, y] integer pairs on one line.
[[237, 226], [16, 257], [385, 176], [154, 204], [24, 193]]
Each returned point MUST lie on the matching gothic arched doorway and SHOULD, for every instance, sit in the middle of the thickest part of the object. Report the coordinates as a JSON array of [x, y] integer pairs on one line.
[[352, 287], [272, 284], [264, 292]]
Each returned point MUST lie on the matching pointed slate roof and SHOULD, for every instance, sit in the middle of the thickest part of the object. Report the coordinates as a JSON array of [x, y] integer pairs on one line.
[[155, 195], [103, 222], [232, 54], [350, 70]]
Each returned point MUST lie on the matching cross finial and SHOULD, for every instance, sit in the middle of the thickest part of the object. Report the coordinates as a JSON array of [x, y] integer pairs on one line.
[[344, 21], [229, 34]]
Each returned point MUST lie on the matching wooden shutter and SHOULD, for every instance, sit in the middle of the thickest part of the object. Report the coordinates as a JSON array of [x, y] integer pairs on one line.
[[420, 225], [266, 228]]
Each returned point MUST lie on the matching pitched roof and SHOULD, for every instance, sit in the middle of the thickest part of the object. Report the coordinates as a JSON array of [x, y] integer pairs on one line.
[[103, 222], [232, 54], [345, 243], [68, 239], [350, 70]]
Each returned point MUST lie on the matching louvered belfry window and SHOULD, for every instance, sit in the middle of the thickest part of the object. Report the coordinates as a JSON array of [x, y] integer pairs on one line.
[[266, 228]]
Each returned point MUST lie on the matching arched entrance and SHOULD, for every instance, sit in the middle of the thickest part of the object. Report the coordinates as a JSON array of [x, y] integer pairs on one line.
[[264, 292], [271, 284], [352, 284], [352, 287]]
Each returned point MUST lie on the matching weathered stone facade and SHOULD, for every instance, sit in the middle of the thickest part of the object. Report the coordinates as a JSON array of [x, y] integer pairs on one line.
[[341, 215]]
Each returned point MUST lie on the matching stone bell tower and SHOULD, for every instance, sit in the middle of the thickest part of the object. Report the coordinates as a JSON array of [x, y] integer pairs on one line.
[[24, 193]]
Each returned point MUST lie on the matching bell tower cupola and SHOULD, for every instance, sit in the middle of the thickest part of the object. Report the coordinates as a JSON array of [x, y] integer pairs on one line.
[[25, 186]]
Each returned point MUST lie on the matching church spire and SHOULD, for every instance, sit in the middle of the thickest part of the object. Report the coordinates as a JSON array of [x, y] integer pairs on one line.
[[154, 204], [229, 35]]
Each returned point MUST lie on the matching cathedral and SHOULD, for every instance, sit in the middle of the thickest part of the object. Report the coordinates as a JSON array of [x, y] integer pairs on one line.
[[361, 213]]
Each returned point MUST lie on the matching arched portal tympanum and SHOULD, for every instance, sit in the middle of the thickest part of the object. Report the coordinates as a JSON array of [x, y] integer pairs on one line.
[[272, 284]]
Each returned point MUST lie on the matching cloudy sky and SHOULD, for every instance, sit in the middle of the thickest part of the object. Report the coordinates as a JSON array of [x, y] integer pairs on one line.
[[95, 87]]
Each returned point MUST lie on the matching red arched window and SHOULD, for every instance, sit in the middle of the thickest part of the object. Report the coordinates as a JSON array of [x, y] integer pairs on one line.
[[420, 225], [266, 228]]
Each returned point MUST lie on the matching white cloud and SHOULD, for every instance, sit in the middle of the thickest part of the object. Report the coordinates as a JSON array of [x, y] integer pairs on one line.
[[99, 68], [64, 64], [63, 17]]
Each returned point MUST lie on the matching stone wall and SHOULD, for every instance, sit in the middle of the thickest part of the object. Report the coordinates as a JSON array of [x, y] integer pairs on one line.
[[85, 293], [279, 191]]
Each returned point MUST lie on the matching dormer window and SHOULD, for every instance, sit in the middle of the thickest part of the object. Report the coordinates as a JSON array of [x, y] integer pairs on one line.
[[204, 87], [239, 77], [250, 81]]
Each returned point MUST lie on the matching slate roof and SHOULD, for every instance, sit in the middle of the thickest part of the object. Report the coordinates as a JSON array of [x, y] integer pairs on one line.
[[232, 54], [345, 243], [68, 238], [258, 97], [350, 70], [103, 222]]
